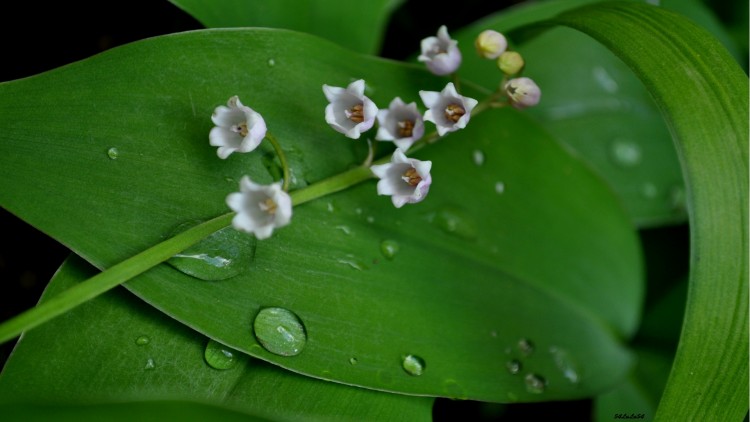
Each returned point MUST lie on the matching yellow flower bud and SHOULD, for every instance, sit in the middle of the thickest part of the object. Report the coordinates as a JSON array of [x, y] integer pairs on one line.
[[490, 44], [510, 63]]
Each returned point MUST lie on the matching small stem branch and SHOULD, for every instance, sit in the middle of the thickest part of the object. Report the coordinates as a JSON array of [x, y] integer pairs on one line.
[[456, 81], [282, 159], [333, 184]]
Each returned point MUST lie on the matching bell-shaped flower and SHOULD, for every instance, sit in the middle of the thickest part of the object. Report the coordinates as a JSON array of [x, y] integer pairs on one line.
[[238, 128], [349, 111], [490, 44], [440, 54], [448, 109], [406, 180], [401, 123], [522, 92], [260, 208]]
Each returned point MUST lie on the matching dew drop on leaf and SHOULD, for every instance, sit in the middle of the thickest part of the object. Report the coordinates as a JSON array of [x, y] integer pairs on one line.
[[413, 365], [513, 366], [271, 62], [478, 157], [454, 222], [222, 255], [525, 346], [113, 153], [649, 190], [219, 356], [535, 383], [353, 361], [625, 153], [142, 340], [565, 363], [389, 248], [280, 331], [454, 390], [499, 187], [353, 262], [149, 364]]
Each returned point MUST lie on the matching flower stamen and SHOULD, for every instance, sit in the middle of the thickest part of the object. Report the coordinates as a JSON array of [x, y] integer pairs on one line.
[[453, 112], [411, 177], [268, 206], [405, 128], [355, 114], [240, 128]]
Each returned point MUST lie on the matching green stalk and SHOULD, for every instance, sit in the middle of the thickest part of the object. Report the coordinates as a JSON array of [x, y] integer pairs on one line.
[[282, 159]]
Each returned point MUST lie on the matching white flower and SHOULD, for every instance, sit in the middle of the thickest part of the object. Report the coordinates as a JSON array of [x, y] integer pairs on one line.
[[349, 111], [260, 208], [238, 128], [491, 44], [441, 53], [447, 109], [522, 92], [407, 180], [400, 123]]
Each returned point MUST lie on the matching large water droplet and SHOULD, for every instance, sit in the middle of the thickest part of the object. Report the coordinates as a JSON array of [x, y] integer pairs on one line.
[[271, 62], [513, 366], [142, 340], [221, 255], [565, 364], [389, 248], [478, 157], [413, 365], [219, 356], [535, 383], [453, 221], [149, 364], [525, 346], [353, 361], [280, 331], [113, 153], [625, 153], [499, 187]]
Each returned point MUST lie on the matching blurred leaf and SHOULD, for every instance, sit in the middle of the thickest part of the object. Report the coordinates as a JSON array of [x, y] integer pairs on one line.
[[700, 90], [544, 251], [594, 104], [355, 25], [118, 349]]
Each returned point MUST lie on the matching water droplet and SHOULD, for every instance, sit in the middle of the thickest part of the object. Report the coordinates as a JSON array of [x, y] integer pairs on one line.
[[271, 62], [525, 346], [455, 222], [625, 153], [454, 390], [329, 207], [353, 361], [513, 366], [478, 157], [280, 331], [353, 262], [389, 248], [603, 78], [221, 255], [370, 219], [413, 365], [565, 364], [358, 211], [113, 153], [219, 356], [499, 187], [535, 383], [345, 229], [149, 364], [649, 190], [142, 340]]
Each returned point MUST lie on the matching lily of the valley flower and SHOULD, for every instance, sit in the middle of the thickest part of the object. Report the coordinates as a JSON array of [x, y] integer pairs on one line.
[[401, 123], [238, 128], [490, 44], [260, 208], [440, 54], [447, 109], [349, 111], [406, 180], [522, 92]]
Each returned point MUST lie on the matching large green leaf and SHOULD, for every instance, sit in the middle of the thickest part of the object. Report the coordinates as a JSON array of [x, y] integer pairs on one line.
[[701, 92], [355, 25], [551, 259], [116, 349], [594, 104]]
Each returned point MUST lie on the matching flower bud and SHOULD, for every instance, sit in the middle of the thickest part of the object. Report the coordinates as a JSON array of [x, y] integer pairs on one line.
[[510, 63], [490, 44], [522, 92]]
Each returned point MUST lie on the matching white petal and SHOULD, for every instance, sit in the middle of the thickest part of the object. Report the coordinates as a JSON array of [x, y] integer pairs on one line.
[[263, 232], [422, 167], [429, 98], [403, 143], [384, 134], [399, 200], [357, 87], [450, 90], [380, 170], [399, 157], [332, 92]]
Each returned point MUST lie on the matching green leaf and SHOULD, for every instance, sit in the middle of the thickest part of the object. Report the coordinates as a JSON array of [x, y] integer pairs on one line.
[[701, 92], [594, 104], [552, 258], [118, 349], [356, 25]]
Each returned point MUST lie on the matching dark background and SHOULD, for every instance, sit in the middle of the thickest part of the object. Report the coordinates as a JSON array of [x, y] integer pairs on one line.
[[42, 37]]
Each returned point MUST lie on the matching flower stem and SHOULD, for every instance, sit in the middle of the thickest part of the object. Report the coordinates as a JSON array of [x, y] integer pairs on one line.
[[332, 184], [110, 278], [282, 159], [456, 81]]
